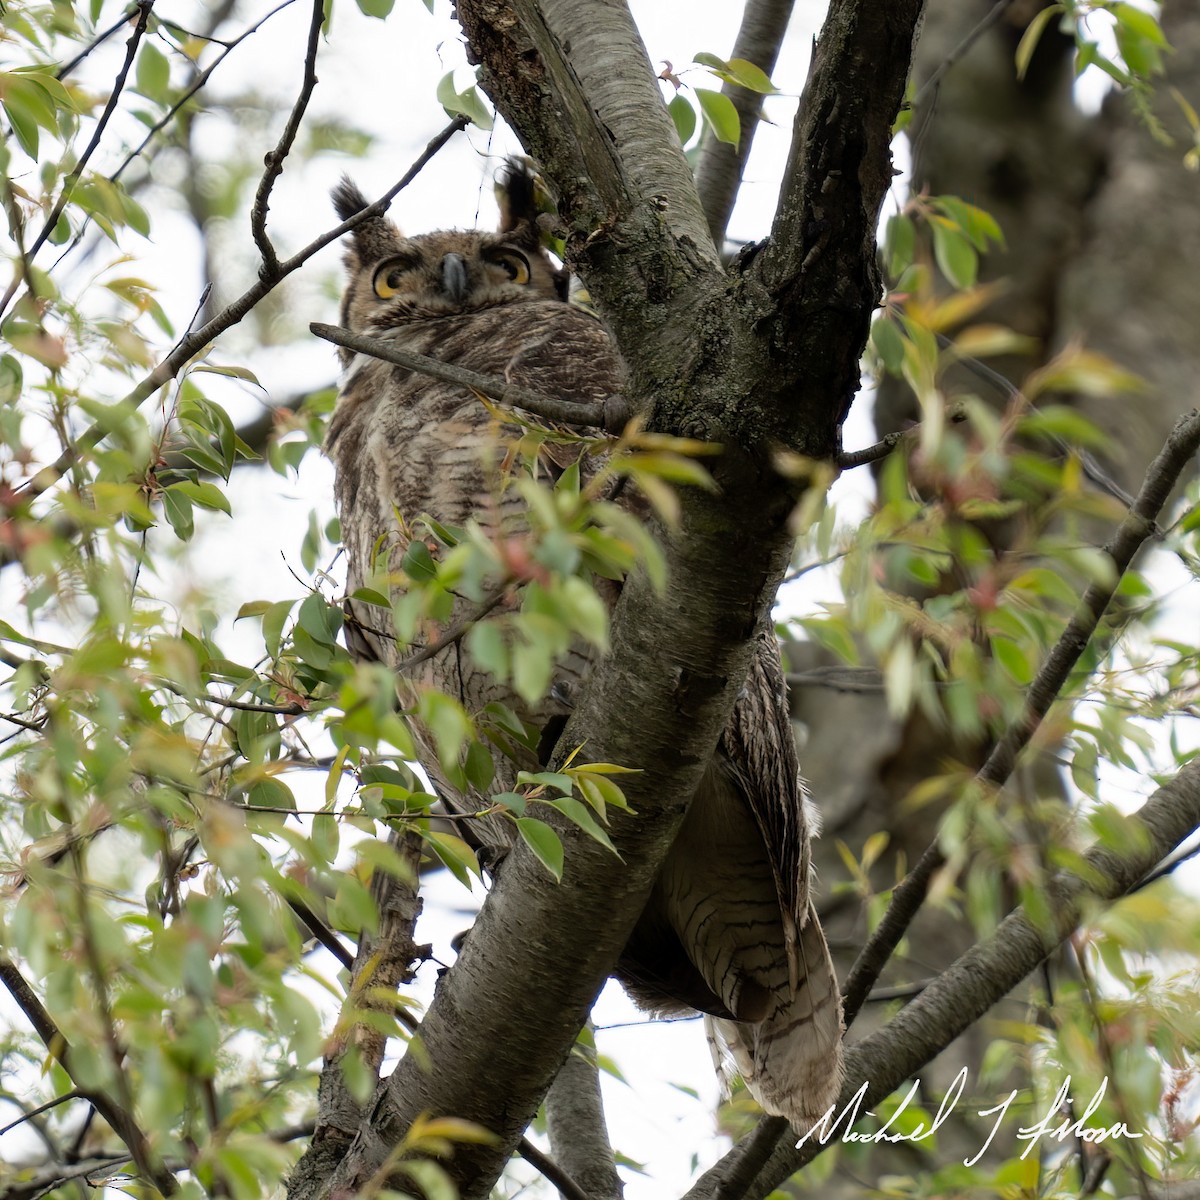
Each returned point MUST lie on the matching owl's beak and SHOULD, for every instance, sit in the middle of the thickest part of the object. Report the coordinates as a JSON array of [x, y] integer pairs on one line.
[[454, 277]]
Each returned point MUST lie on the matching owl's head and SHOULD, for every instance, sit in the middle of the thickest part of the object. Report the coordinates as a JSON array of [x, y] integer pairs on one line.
[[393, 279]]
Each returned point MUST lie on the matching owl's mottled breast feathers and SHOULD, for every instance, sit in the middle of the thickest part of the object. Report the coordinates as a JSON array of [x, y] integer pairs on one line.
[[729, 928]]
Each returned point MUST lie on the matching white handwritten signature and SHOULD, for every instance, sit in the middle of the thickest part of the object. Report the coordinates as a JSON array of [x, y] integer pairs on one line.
[[1052, 1126]]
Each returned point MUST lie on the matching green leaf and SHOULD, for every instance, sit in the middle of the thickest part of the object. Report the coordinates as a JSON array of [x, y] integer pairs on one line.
[[376, 8], [479, 767], [901, 242], [457, 857], [721, 116], [153, 72], [888, 343], [544, 843], [486, 646], [1013, 659], [749, 76], [178, 510], [684, 117], [207, 495], [577, 812], [418, 563], [955, 255], [467, 103], [1033, 35]]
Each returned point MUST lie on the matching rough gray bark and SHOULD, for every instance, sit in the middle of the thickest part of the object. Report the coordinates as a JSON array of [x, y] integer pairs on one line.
[[766, 357], [577, 1128]]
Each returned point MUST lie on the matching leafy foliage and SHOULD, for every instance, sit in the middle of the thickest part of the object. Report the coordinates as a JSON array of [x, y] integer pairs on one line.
[[165, 865]]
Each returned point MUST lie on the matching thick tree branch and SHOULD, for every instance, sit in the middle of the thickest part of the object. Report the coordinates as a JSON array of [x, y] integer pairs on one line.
[[611, 415], [573, 79], [819, 265], [719, 172], [575, 1122]]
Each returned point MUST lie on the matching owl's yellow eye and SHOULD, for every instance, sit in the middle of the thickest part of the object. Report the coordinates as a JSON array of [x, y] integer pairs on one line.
[[389, 276], [513, 262]]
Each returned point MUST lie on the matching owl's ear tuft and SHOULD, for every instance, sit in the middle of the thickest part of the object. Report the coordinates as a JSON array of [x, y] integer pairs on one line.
[[348, 198], [374, 238], [522, 195]]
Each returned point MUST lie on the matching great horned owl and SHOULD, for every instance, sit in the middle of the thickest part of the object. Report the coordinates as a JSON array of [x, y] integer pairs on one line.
[[729, 929]]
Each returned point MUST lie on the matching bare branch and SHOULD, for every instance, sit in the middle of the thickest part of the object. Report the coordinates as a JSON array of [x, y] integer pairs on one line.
[[199, 83], [95, 43], [611, 415], [881, 449], [719, 172], [578, 1132], [275, 158], [985, 23]]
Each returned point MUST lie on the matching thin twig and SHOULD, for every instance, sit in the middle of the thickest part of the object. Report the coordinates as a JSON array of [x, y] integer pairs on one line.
[[611, 414], [985, 23], [849, 459], [454, 633], [144, 9], [275, 158], [97, 41], [199, 83], [229, 316], [66, 1097]]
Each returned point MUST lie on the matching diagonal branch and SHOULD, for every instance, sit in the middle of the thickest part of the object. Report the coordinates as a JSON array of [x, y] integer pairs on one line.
[[611, 414], [1181, 446], [275, 159], [144, 8], [719, 172], [742, 1163], [990, 970]]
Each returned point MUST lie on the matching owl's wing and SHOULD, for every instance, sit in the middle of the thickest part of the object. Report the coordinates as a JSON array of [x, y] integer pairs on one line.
[[790, 1056], [759, 747]]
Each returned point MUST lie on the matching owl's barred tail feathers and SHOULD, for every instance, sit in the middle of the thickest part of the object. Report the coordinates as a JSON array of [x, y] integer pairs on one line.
[[791, 1060]]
